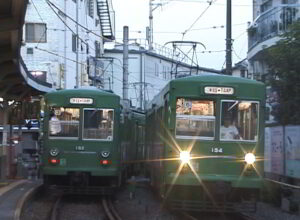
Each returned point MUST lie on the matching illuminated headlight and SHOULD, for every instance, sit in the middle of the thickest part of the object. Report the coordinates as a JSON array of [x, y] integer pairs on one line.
[[185, 156], [54, 152], [250, 158]]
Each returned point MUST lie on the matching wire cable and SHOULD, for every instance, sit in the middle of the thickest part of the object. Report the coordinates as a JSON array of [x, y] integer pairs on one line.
[[209, 4], [88, 30]]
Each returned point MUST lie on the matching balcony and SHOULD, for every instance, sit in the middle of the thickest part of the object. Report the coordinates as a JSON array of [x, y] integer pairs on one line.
[[271, 24]]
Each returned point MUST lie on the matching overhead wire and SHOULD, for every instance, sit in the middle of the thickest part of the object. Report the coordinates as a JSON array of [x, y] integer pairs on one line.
[[45, 31], [50, 5], [88, 30], [204, 2], [209, 4]]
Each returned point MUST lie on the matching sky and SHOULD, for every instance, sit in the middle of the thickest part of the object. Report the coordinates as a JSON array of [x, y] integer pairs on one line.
[[174, 17]]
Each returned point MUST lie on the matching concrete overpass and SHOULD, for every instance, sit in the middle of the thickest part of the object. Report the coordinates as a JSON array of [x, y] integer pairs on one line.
[[15, 81]]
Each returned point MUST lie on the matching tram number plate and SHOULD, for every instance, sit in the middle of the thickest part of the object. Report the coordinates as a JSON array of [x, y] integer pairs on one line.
[[79, 148], [217, 150]]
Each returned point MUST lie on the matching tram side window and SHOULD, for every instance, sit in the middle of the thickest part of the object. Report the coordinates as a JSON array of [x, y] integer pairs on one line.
[[64, 122], [98, 124], [239, 120], [195, 119]]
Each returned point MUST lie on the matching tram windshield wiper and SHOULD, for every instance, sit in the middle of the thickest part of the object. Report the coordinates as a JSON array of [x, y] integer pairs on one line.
[[234, 104]]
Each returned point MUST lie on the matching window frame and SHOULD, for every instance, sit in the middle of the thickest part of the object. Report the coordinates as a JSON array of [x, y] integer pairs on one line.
[[90, 8], [74, 43], [90, 139], [64, 138], [209, 118], [40, 39], [257, 125]]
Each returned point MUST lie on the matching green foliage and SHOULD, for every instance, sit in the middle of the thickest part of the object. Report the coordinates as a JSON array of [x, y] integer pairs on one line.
[[283, 60]]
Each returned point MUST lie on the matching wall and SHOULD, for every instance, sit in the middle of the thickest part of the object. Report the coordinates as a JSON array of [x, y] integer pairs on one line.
[[149, 72], [282, 150], [56, 56]]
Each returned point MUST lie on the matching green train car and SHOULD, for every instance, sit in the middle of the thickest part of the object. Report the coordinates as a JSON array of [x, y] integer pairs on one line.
[[81, 140], [133, 142], [205, 143]]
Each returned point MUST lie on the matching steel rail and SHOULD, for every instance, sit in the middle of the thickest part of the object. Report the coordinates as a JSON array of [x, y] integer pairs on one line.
[[54, 211], [109, 209]]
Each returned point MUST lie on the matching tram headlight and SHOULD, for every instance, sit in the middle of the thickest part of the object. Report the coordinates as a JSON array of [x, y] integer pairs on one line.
[[185, 156], [250, 158], [54, 152]]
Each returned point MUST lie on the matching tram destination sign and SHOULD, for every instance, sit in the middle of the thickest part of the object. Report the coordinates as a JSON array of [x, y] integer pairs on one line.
[[218, 90], [86, 101]]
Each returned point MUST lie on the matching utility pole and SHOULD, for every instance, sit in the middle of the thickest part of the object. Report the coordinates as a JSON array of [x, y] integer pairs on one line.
[[125, 65], [150, 25], [228, 40], [77, 45], [150, 30]]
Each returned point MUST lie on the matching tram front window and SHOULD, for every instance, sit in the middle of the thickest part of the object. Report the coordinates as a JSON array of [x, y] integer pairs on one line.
[[98, 124], [239, 120], [64, 122], [195, 119]]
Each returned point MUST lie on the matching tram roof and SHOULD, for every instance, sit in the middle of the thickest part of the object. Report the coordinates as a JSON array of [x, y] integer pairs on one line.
[[83, 91], [217, 78]]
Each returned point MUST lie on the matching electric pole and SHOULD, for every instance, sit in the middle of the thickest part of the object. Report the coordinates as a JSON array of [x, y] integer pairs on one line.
[[77, 45], [150, 25], [228, 40], [125, 65], [150, 30]]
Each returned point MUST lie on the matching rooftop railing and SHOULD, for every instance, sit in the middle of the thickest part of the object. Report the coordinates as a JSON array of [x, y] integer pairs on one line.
[[272, 23]]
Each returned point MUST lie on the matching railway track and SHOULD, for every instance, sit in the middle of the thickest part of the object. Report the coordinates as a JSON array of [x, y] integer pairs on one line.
[[63, 205], [109, 209]]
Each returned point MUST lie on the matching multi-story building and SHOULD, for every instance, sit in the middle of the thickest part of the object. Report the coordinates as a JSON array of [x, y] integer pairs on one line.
[[63, 39], [271, 19], [149, 71]]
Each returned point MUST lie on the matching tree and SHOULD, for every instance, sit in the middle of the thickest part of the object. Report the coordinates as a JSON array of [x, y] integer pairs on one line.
[[283, 60]]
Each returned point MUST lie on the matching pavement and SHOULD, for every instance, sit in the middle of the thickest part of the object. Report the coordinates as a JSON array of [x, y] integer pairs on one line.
[[11, 191]]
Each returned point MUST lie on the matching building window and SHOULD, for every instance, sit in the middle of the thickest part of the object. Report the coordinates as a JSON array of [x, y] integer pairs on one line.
[[29, 50], [97, 49], [90, 8], [40, 75], [87, 49], [74, 1], [265, 6], [35, 33], [156, 70], [243, 73], [74, 43], [164, 72], [289, 1]]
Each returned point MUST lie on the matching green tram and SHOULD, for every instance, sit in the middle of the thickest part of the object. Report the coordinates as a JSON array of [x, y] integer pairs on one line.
[[81, 140], [205, 143]]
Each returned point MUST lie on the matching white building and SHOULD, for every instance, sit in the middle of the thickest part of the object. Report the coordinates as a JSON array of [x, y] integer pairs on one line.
[[149, 72], [240, 69], [63, 38], [271, 18]]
